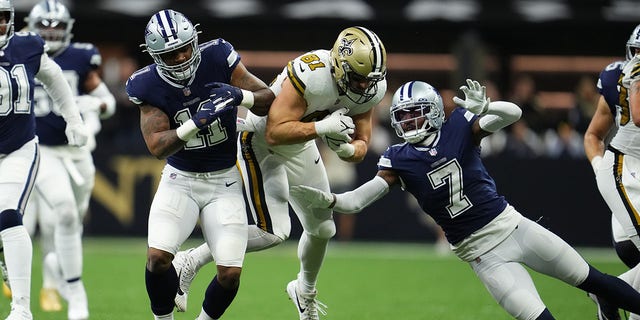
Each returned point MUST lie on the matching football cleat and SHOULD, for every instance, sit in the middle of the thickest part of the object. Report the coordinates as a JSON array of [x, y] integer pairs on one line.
[[306, 303], [185, 266], [50, 300], [78, 308], [606, 311], [19, 312]]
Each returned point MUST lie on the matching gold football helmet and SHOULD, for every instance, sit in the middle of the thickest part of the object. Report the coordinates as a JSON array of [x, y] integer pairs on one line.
[[359, 63]]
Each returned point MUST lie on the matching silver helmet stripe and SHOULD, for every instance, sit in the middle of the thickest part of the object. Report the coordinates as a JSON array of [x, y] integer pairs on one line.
[[377, 49], [164, 18]]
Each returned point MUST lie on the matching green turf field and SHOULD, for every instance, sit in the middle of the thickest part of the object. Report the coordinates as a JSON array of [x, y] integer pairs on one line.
[[359, 281]]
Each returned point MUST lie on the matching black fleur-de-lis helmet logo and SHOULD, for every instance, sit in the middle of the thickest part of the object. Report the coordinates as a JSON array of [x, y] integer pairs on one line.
[[345, 48]]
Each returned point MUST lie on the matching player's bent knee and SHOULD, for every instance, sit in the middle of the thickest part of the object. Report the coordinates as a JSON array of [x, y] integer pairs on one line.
[[67, 215], [10, 218], [158, 261], [326, 230], [229, 277]]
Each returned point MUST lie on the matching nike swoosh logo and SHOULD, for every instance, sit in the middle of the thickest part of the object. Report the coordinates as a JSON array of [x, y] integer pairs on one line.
[[228, 184], [317, 160], [180, 292], [298, 304]]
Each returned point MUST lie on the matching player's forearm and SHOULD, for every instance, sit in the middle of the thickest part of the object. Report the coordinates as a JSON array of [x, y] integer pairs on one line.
[[163, 144], [499, 114], [290, 132], [356, 200], [58, 89], [262, 101], [360, 151]]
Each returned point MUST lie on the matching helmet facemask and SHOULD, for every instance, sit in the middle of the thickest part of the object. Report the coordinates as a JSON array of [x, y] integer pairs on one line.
[[169, 33], [51, 20], [633, 43], [359, 63], [7, 16], [416, 114]]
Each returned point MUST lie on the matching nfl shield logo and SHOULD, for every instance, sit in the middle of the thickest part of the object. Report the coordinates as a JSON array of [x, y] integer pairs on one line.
[[433, 152], [186, 91]]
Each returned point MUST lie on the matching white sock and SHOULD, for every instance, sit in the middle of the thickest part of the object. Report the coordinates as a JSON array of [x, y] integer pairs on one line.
[[18, 252], [204, 316], [164, 317], [68, 247], [311, 251], [51, 273], [202, 255]]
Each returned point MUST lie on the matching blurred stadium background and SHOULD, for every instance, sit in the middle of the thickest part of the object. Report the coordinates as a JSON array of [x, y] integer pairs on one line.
[[553, 46]]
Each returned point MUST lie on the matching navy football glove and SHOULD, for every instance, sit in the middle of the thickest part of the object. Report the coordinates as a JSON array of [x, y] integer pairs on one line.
[[218, 89], [212, 110]]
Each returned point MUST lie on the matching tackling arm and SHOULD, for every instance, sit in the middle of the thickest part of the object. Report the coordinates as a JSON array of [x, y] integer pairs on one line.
[[351, 201], [256, 95]]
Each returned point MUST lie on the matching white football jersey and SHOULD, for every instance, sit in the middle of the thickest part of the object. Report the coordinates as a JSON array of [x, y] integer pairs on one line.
[[311, 75], [627, 139]]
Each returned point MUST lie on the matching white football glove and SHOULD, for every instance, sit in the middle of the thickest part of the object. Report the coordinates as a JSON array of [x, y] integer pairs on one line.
[[631, 71], [475, 98], [88, 103], [315, 197], [340, 145], [337, 125], [77, 133]]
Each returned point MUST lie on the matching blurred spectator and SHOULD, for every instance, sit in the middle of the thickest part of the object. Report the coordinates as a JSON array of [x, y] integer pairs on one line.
[[564, 143], [522, 142], [587, 96], [524, 94]]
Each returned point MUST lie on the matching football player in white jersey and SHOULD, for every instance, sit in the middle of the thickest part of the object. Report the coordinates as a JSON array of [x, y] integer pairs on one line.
[[611, 129], [440, 165], [23, 60], [65, 180], [328, 94]]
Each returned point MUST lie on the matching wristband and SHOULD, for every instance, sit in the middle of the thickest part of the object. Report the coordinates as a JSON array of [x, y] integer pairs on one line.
[[333, 203], [247, 99], [187, 130]]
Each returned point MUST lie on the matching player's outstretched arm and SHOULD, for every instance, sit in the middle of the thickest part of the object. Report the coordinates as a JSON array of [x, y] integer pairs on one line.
[[351, 201]]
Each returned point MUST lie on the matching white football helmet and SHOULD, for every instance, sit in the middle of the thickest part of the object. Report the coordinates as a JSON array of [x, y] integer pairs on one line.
[[6, 27], [51, 20], [358, 56], [169, 31], [633, 42], [416, 111]]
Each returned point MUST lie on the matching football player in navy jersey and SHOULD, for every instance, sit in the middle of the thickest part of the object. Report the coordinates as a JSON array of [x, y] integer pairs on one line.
[[440, 165], [66, 176], [23, 60], [612, 128], [188, 100]]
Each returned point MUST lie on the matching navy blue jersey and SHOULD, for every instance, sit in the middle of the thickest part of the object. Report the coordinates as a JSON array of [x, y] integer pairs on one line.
[[448, 178], [76, 61], [609, 87], [19, 63], [213, 148]]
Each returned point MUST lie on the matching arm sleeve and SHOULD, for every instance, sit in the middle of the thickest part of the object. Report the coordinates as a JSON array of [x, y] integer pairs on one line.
[[499, 115], [355, 200], [102, 92], [58, 89]]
